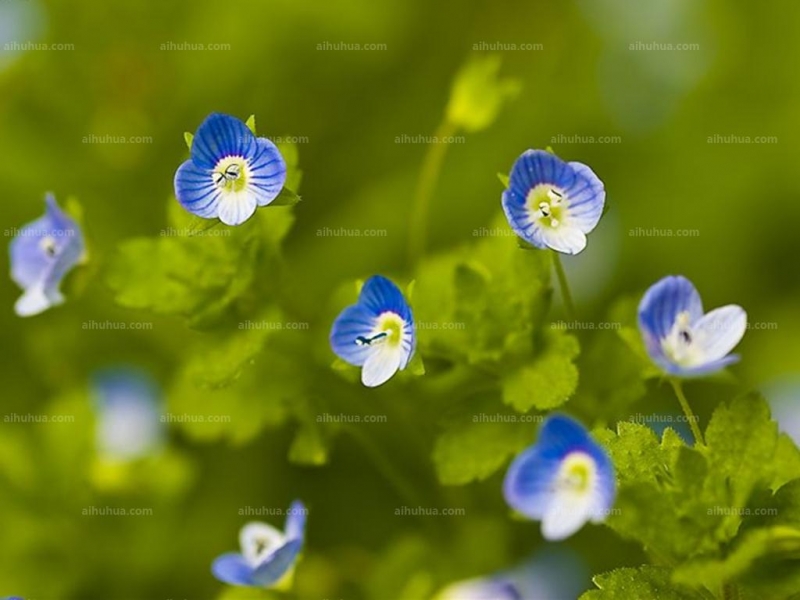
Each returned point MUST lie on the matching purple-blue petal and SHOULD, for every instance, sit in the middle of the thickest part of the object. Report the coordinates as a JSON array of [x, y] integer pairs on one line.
[[295, 526], [534, 167], [233, 569], [664, 301], [380, 295], [353, 322], [219, 136], [196, 191], [276, 565], [267, 171]]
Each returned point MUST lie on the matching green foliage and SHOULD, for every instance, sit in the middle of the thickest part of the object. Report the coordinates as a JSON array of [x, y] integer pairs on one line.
[[643, 583], [478, 93]]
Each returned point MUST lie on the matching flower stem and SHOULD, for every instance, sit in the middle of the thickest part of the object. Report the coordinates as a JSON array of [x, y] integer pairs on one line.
[[429, 175], [687, 410], [562, 282]]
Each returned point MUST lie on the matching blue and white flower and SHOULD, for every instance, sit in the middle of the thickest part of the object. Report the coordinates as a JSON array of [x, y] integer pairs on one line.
[[376, 334], [564, 480], [42, 253], [231, 172], [268, 555], [550, 203], [128, 406], [679, 338]]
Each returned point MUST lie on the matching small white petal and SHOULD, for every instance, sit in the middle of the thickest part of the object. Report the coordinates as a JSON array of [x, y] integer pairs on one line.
[[719, 331], [567, 513], [566, 239], [382, 363], [35, 300], [235, 209]]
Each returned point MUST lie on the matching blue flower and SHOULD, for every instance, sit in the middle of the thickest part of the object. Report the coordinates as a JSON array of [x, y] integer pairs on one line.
[[268, 555], [230, 172], [42, 253], [128, 414], [377, 333], [564, 480], [550, 203], [682, 340]]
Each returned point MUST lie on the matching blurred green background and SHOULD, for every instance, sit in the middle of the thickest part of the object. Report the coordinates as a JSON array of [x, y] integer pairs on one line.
[[681, 120]]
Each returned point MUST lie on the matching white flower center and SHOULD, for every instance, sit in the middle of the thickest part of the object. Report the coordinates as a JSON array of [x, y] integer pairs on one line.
[[389, 329], [231, 174], [547, 205], [48, 245], [680, 345]]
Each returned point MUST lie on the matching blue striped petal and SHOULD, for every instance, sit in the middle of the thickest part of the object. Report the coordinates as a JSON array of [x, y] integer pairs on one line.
[[220, 136], [353, 322], [519, 217], [295, 527], [232, 568], [586, 198], [267, 172], [195, 190], [380, 294], [660, 307], [538, 166]]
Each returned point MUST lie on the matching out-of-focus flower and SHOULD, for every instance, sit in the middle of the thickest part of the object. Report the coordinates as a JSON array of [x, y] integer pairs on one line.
[[268, 555], [42, 253], [563, 480]]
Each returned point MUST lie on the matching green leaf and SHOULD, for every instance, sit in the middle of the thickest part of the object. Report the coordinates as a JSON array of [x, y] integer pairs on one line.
[[286, 198], [251, 124], [478, 93], [504, 179], [188, 138], [642, 583], [478, 440], [548, 380]]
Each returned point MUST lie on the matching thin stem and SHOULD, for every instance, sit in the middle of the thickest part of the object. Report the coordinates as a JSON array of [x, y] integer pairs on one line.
[[562, 282], [687, 410], [426, 184]]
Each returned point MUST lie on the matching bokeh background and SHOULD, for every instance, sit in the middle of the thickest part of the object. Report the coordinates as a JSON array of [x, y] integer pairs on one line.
[[689, 110]]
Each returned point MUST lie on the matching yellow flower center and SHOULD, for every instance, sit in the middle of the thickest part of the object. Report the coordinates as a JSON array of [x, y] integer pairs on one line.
[[231, 174], [546, 204]]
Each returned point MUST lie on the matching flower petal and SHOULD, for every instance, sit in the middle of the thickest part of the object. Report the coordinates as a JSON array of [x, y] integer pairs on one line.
[[267, 172], [566, 239], [662, 304], [353, 322], [258, 540], [380, 295], [539, 166], [586, 197], [196, 191], [720, 330], [220, 136], [296, 521], [382, 362], [232, 568], [236, 208], [275, 566], [520, 219], [701, 370]]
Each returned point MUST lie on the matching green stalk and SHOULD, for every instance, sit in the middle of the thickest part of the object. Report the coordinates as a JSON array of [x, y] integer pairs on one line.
[[562, 282], [687, 410]]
